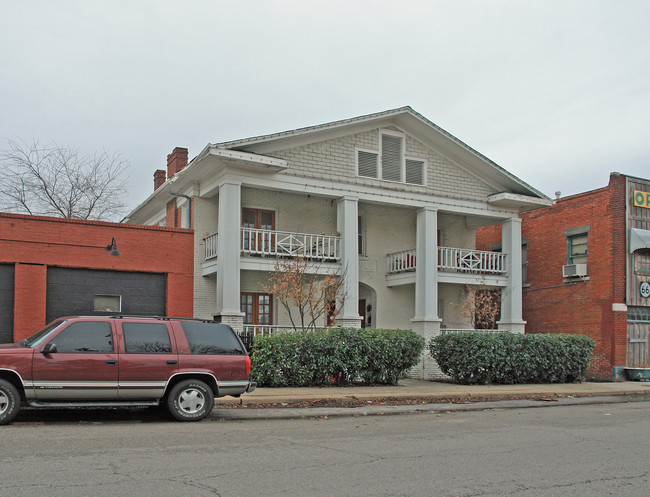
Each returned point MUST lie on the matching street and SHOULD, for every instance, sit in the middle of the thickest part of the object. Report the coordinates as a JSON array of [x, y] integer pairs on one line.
[[592, 450]]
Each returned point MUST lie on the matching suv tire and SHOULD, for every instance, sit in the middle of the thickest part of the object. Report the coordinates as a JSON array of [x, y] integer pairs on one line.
[[9, 402], [190, 400]]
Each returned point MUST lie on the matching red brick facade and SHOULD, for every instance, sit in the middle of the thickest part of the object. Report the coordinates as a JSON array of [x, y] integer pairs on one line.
[[33, 243], [554, 304]]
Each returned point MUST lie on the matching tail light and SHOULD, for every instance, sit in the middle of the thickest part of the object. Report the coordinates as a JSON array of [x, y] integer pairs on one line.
[[248, 364]]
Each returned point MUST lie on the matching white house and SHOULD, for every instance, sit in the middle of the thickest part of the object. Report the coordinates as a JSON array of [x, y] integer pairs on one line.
[[390, 197]]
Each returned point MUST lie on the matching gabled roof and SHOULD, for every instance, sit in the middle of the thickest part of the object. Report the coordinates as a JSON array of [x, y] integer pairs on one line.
[[409, 121]]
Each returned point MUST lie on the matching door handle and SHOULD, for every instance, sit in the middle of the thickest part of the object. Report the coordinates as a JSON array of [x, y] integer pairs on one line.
[[111, 361], [172, 362]]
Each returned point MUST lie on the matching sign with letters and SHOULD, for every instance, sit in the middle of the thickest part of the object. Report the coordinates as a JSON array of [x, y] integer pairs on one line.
[[642, 199]]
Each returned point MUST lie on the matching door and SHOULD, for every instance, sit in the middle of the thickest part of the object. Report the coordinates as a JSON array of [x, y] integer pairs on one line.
[[83, 367], [147, 359], [257, 225], [258, 312], [638, 345]]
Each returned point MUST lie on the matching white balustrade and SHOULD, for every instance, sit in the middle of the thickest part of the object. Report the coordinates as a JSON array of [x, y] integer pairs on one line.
[[401, 261], [288, 244], [453, 260], [210, 246]]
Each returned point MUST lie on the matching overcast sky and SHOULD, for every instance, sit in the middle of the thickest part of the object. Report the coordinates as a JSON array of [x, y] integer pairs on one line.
[[556, 92]]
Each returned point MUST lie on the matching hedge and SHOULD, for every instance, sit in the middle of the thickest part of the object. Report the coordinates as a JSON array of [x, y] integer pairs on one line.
[[337, 356], [506, 358]]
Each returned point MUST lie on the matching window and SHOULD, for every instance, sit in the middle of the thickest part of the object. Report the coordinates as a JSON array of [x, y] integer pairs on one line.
[[146, 338], [642, 261], [108, 303], [85, 337], [367, 164], [211, 338], [391, 157], [257, 219], [390, 163], [638, 314], [257, 308], [577, 249]]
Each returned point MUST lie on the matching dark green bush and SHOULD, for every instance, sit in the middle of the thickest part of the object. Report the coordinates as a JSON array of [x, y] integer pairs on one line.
[[505, 358], [336, 356]]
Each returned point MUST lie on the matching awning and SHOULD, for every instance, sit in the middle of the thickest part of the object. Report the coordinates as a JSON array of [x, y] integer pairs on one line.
[[639, 239]]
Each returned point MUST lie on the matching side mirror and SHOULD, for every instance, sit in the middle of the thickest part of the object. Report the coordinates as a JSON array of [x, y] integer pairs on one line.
[[50, 348]]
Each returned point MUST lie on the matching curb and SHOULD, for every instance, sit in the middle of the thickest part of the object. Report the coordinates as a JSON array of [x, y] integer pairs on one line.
[[269, 412]]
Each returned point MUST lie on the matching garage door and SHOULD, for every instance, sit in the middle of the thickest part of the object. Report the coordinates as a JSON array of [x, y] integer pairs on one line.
[[6, 303], [88, 292]]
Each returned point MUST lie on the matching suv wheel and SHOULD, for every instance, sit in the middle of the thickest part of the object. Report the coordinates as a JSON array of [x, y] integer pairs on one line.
[[9, 402], [190, 400]]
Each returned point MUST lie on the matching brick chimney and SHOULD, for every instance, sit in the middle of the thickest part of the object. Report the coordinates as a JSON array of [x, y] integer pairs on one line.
[[158, 179], [176, 161]]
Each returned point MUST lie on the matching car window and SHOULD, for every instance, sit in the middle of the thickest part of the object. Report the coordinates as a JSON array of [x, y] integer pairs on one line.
[[85, 337], [146, 338], [40, 335], [211, 338]]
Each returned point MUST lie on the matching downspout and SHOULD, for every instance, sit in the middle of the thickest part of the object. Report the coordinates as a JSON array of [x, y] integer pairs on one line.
[[189, 206]]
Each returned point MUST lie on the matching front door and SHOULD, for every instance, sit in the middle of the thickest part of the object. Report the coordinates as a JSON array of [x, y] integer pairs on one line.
[[84, 365]]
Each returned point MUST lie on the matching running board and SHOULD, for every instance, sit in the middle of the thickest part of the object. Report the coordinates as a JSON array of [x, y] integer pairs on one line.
[[35, 403]]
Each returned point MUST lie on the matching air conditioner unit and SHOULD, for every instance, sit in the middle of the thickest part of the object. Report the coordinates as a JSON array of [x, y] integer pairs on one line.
[[573, 270]]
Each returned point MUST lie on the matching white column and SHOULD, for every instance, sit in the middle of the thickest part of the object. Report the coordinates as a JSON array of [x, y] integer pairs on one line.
[[347, 222], [426, 321], [426, 269], [511, 296], [228, 250]]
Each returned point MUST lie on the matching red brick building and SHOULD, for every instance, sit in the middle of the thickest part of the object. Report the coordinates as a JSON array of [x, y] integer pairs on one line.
[[51, 267], [587, 271]]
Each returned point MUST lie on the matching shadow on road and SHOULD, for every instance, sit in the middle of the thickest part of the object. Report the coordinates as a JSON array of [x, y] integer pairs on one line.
[[92, 415]]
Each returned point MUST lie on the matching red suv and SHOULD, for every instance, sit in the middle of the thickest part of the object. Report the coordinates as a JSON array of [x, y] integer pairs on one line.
[[124, 361]]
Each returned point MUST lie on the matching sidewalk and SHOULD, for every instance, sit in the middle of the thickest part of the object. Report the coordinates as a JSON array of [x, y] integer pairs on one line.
[[419, 396]]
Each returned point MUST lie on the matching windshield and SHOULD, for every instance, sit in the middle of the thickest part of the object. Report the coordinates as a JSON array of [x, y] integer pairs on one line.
[[39, 336]]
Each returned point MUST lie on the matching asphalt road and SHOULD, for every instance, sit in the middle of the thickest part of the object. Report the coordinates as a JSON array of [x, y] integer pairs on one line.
[[586, 450]]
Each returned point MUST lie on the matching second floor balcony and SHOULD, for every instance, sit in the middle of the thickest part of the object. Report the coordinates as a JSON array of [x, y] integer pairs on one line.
[[451, 259], [281, 244]]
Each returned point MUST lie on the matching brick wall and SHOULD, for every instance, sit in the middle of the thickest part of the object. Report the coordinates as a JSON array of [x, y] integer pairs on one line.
[[33, 243], [552, 303]]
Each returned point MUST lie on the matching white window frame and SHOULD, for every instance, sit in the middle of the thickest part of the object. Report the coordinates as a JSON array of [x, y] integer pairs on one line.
[[380, 171], [404, 157], [106, 295], [356, 162], [424, 169]]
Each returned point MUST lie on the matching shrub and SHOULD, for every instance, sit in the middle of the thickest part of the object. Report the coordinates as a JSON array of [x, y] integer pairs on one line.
[[505, 358], [341, 356]]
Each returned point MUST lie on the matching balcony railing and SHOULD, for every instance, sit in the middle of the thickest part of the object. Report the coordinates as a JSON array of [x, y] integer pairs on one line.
[[451, 259], [210, 246], [401, 261], [272, 243]]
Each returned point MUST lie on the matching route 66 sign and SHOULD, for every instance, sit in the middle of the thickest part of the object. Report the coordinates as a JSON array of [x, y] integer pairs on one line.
[[644, 288]]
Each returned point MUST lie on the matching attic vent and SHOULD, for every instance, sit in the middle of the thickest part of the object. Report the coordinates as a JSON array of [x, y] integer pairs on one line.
[[391, 157], [415, 171], [367, 163]]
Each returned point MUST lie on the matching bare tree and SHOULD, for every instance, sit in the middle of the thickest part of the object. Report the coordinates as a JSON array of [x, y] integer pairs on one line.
[[50, 180], [481, 306], [304, 294]]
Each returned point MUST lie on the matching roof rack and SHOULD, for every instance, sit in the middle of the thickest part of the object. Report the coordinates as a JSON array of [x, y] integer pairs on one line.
[[162, 318]]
